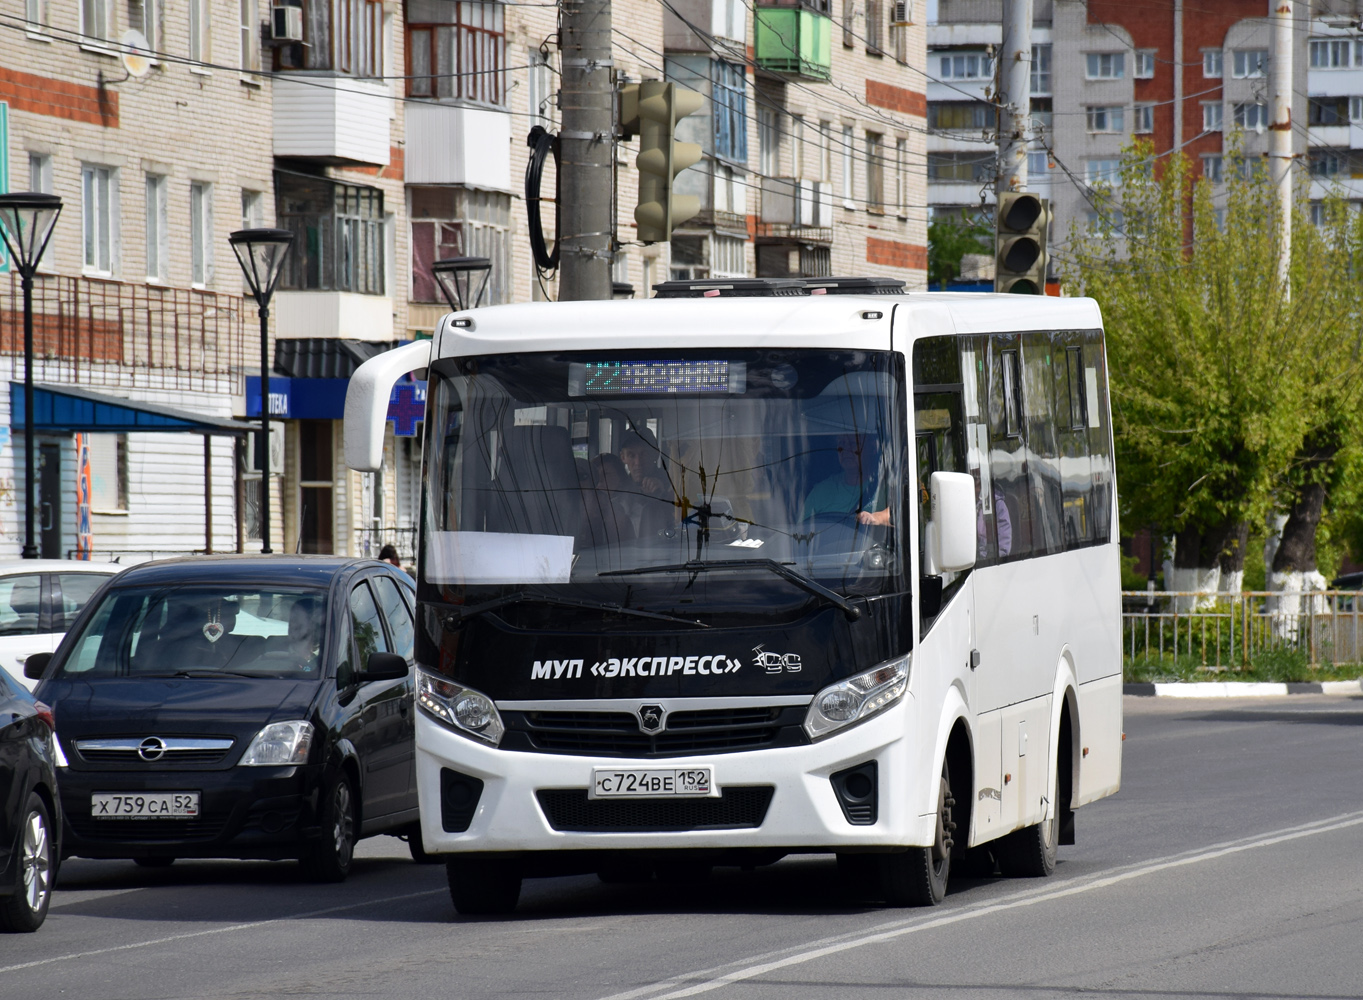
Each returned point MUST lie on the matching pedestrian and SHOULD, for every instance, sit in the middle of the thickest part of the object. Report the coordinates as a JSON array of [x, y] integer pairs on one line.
[[389, 554]]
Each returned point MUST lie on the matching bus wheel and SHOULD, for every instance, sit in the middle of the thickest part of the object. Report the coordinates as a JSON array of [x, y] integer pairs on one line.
[[1030, 852], [483, 887], [918, 876]]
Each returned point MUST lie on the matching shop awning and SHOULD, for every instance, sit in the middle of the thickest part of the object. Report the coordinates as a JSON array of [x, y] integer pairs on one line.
[[61, 409]]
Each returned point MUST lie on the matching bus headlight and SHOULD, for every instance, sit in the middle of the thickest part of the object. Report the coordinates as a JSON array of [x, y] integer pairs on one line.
[[464, 710], [857, 698]]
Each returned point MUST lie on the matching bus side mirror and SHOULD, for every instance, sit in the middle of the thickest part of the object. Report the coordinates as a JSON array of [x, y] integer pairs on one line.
[[366, 402], [952, 495]]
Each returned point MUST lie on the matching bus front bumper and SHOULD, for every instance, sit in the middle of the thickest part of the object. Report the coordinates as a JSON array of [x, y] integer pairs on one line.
[[538, 801]]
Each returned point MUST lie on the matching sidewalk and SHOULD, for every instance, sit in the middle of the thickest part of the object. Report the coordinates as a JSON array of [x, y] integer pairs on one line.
[[1240, 689]]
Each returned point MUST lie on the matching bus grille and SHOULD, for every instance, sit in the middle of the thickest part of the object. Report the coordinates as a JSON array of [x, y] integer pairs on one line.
[[739, 807], [617, 734]]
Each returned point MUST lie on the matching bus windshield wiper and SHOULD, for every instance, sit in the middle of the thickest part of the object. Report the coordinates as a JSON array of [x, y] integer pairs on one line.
[[784, 571], [462, 614]]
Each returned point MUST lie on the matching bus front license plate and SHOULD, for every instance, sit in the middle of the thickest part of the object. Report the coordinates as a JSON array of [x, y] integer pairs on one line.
[[651, 783]]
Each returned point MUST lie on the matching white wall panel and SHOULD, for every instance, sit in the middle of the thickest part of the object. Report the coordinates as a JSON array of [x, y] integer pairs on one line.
[[331, 118], [455, 145]]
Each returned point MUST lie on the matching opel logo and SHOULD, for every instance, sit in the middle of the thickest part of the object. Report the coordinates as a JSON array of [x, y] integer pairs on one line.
[[651, 718], [152, 748]]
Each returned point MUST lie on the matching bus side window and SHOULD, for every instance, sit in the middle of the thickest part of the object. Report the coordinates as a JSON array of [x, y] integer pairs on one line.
[[1099, 433], [974, 390], [1007, 453], [1043, 467], [1071, 429]]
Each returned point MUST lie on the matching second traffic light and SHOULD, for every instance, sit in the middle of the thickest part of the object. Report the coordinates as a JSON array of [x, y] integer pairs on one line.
[[1020, 229], [661, 158]]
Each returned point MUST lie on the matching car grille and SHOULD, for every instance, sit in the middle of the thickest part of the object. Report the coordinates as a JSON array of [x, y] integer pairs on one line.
[[738, 807], [177, 751], [617, 734]]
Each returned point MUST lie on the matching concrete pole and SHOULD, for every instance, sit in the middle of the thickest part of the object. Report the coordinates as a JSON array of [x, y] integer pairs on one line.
[[587, 142], [1015, 96], [1280, 126]]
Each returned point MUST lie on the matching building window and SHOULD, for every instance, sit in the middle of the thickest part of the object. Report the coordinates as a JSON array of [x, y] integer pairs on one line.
[[1329, 54], [1041, 70], [875, 27], [252, 209], [875, 173], [729, 101], [1144, 119], [826, 152], [848, 161], [1212, 116], [338, 235], [797, 146], [200, 233], [1145, 64], [768, 141], [730, 191], [36, 14], [1328, 163], [249, 30], [200, 31], [1211, 64], [729, 19], [961, 167], [1106, 118], [460, 222], [901, 176], [1211, 167], [99, 216], [968, 116], [1251, 117], [1249, 64], [97, 19], [316, 481], [966, 66], [1038, 163], [540, 94], [1105, 65], [108, 473], [456, 50], [727, 257], [1103, 172], [1329, 110], [152, 23], [40, 172], [849, 34], [158, 227]]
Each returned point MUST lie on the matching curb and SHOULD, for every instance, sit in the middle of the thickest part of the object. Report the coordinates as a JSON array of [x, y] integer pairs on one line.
[[1240, 689]]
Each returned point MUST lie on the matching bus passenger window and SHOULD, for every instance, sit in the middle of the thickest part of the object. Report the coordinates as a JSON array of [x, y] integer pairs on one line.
[[974, 389], [1007, 454], [1072, 438], [1043, 467], [1099, 434]]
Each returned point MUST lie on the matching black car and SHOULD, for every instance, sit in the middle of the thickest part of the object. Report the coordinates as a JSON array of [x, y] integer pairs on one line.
[[30, 813], [237, 707]]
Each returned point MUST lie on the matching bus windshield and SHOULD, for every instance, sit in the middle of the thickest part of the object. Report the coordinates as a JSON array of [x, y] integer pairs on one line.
[[628, 469]]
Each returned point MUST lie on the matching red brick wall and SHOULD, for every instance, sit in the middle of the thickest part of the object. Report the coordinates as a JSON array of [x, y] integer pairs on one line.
[[908, 102], [42, 95], [896, 254]]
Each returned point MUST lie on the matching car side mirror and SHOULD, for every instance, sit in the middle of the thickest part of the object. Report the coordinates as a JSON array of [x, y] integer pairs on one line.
[[953, 538], [383, 667], [36, 664]]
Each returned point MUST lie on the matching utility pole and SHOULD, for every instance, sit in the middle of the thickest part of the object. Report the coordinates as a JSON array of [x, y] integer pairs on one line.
[[1014, 96], [1280, 127], [587, 144]]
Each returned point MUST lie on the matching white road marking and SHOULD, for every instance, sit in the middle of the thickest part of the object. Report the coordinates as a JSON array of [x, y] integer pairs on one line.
[[759, 965], [220, 930]]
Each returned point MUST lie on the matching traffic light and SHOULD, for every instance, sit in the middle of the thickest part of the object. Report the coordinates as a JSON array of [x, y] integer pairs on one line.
[[661, 158], [1020, 243]]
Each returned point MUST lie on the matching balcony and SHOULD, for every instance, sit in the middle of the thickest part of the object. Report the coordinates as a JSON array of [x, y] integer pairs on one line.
[[794, 40], [332, 119], [93, 332], [330, 313], [451, 144], [796, 210]]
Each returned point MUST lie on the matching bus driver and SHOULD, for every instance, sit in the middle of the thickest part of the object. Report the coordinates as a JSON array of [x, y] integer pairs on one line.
[[854, 489]]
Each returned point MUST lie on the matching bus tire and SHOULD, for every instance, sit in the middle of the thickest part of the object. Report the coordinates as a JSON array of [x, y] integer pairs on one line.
[[483, 887], [1030, 852], [918, 876]]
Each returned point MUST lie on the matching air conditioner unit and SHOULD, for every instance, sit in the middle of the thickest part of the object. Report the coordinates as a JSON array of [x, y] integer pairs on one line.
[[286, 24], [276, 450], [901, 13]]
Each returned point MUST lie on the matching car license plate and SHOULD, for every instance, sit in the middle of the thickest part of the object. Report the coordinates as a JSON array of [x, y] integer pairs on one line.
[[651, 783], [144, 805]]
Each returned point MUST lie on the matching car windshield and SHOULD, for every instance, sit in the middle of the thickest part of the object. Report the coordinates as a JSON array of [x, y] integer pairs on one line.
[[201, 632], [623, 468]]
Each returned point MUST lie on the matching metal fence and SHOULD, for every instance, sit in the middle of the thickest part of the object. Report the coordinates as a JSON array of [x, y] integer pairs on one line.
[[368, 542], [1227, 631], [89, 331]]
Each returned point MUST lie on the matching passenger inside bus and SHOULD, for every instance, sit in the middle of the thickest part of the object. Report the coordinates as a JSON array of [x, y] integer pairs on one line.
[[856, 488]]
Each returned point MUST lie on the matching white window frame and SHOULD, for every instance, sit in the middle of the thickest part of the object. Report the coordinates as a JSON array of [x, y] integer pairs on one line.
[[1104, 65], [901, 176], [826, 152], [200, 234], [40, 172], [1252, 116], [252, 209], [248, 29], [1038, 163], [1328, 53], [768, 141], [153, 23], [1144, 68], [1041, 70], [728, 257], [1243, 67], [797, 146], [1105, 118], [99, 219], [1105, 171], [849, 159], [1143, 119], [199, 14], [728, 19], [157, 193], [1213, 167], [96, 21], [966, 66], [1213, 116], [1213, 64], [1356, 110], [36, 13]]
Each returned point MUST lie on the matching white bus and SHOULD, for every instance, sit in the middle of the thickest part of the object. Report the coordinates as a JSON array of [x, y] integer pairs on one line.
[[713, 580]]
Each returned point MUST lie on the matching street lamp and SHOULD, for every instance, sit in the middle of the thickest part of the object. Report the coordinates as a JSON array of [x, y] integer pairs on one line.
[[457, 277], [26, 222], [261, 253]]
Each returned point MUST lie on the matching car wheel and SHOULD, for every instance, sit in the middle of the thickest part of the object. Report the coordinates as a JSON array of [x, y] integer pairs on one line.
[[26, 909], [153, 862], [418, 847], [332, 856], [483, 887]]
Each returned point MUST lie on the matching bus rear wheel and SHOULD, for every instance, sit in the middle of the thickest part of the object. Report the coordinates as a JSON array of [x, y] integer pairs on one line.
[[1030, 852], [483, 887]]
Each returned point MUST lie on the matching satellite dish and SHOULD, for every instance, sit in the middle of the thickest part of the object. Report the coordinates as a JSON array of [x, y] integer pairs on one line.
[[136, 53]]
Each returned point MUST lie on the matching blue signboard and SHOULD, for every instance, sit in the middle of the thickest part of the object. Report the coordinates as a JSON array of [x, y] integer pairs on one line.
[[324, 399]]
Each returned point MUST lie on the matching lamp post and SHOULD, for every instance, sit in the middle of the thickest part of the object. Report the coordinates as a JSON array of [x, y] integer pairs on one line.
[[26, 222], [457, 277], [261, 253]]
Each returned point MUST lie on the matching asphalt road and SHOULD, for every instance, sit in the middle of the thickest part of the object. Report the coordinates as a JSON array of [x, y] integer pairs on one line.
[[1228, 866]]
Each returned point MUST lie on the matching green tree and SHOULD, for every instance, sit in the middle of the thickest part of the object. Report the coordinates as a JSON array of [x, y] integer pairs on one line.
[[948, 241]]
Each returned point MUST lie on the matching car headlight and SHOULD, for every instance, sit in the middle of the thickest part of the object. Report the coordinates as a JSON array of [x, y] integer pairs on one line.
[[464, 710], [857, 698], [279, 745]]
